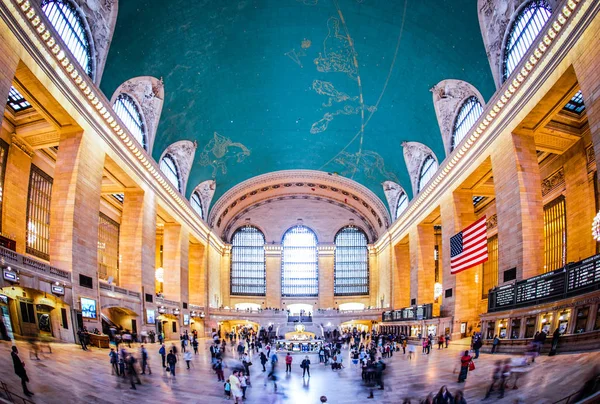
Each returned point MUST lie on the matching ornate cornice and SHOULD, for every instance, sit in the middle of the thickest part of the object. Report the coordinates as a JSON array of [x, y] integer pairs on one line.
[[22, 145]]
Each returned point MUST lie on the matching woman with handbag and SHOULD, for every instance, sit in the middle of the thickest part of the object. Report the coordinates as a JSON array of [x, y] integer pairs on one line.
[[466, 364]]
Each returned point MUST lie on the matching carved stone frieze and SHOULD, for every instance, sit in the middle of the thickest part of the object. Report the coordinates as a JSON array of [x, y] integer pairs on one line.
[[553, 181], [206, 190], [392, 193], [495, 19], [491, 222], [414, 155], [183, 152], [149, 93], [448, 97], [101, 17]]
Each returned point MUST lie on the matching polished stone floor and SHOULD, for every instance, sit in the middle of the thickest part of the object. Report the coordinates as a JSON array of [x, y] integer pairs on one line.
[[70, 375]]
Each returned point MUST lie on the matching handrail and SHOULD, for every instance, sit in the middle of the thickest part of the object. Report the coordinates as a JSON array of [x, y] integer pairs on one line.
[[595, 394], [13, 397]]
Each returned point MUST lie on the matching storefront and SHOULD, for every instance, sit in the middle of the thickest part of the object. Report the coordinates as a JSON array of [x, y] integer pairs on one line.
[[31, 313]]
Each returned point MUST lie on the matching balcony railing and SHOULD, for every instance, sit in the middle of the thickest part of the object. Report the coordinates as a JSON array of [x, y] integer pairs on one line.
[[162, 300], [23, 262]]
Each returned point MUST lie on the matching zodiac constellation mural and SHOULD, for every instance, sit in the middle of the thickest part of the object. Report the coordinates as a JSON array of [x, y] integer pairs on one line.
[[367, 161], [352, 105], [296, 55], [219, 150], [338, 54]]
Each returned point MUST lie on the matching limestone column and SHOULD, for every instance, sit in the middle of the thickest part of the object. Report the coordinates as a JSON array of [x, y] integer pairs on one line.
[[273, 258], [175, 262], [457, 213], [374, 276], [519, 205], [580, 208], [137, 241], [8, 68], [401, 275], [326, 267], [197, 281], [588, 76], [14, 195], [226, 276], [422, 263], [74, 212]]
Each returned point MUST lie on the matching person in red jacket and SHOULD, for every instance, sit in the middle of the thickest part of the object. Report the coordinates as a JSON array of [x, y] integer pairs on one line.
[[288, 362]]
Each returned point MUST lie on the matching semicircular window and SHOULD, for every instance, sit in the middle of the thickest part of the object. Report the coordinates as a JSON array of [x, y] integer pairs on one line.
[[525, 28], [428, 169], [402, 204], [170, 170], [196, 203], [248, 267], [68, 23], [127, 110], [469, 113], [299, 263], [351, 264]]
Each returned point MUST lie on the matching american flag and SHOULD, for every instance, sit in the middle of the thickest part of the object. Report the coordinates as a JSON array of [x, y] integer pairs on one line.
[[469, 247]]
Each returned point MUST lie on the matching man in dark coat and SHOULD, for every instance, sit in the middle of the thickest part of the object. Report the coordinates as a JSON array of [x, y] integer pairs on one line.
[[20, 370]]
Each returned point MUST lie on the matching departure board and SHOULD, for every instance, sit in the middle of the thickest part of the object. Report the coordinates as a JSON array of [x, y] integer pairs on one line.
[[505, 296], [420, 312], [584, 274], [546, 286]]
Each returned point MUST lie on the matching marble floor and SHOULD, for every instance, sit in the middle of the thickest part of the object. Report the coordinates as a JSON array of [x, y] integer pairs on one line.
[[70, 375]]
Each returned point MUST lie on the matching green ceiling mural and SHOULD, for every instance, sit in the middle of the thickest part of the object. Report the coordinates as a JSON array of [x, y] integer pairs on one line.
[[266, 85]]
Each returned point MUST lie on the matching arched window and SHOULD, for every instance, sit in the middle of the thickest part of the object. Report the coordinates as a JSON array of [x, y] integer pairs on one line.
[[196, 203], [299, 263], [248, 268], [402, 204], [351, 265], [69, 25], [130, 115], [469, 113], [169, 169], [525, 28], [428, 169]]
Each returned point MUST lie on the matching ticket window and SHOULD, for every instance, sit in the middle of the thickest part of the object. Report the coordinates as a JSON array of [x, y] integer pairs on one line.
[[529, 327], [563, 321], [581, 319], [491, 328], [546, 323], [515, 328], [503, 328]]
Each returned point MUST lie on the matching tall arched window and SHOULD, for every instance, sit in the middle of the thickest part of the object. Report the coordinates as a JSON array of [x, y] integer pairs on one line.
[[525, 28], [428, 169], [248, 268], [351, 265], [170, 170], [130, 115], [299, 263], [69, 25], [468, 114], [402, 204], [196, 203]]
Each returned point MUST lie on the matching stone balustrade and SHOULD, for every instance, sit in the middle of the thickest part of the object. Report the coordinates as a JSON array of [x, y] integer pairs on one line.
[[25, 263], [119, 290], [162, 300]]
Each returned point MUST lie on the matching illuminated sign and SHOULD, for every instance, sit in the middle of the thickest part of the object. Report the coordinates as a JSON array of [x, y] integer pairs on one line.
[[10, 275], [58, 290], [88, 308]]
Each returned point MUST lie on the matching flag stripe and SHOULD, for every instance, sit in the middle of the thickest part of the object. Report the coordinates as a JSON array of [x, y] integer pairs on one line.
[[469, 247]]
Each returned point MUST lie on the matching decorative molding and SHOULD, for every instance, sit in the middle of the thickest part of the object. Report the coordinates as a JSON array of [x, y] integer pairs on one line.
[[231, 223], [414, 155], [206, 191], [491, 222], [392, 192], [302, 181], [183, 152], [448, 97], [22, 145], [591, 157], [553, 181], [101, 18], [149, 92]]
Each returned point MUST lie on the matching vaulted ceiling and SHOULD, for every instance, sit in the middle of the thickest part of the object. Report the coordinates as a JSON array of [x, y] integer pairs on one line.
[[266, 85]]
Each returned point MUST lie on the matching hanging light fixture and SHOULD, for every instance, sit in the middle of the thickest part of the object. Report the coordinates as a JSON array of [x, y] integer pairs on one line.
[[596, 227], [159, 274]]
